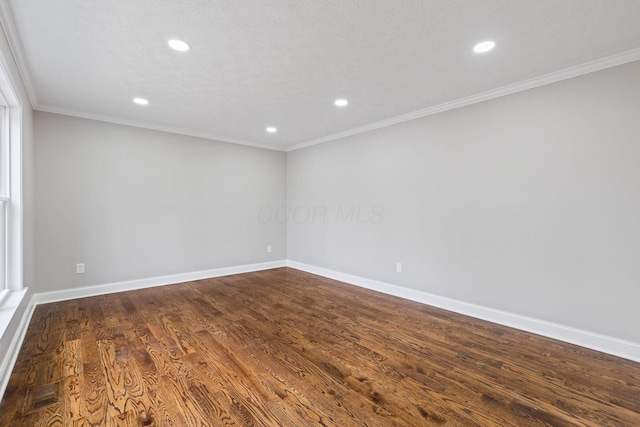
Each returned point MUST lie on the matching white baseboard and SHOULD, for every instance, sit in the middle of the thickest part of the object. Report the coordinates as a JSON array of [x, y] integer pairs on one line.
[[130, 285], [606, 344], [9, 360]]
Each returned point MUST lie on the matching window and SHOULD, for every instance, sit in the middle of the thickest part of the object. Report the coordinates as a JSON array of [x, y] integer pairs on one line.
[[5, 174], [10, 187], [12, 290]]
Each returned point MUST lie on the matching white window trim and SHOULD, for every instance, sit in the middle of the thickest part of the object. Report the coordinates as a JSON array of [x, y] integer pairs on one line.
[[13, 132], [14, 233]]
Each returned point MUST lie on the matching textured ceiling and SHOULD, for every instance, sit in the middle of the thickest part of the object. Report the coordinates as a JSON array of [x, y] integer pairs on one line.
[[256, 63]]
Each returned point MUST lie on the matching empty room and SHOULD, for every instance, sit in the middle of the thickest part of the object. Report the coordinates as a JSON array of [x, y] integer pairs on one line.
[[319, 213]]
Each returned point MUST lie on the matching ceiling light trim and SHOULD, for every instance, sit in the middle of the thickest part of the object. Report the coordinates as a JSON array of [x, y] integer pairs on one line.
[[553, 77], [484, 47], [179, 45], [151, 126], [140, 101]]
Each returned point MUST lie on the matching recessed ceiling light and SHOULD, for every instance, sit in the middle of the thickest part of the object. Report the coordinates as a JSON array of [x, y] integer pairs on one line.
[[272, 129], [341, 102], [141, 101], [179, 45], [484, 46]]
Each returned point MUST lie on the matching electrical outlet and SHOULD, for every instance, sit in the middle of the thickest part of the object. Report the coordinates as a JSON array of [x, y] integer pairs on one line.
[[268, 248], [79, 268], [398, 267]]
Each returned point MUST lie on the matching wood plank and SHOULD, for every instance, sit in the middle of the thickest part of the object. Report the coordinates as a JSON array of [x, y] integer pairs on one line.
[[283, 347]]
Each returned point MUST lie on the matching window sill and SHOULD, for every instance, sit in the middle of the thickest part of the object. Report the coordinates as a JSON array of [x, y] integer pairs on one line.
[[8, 306]]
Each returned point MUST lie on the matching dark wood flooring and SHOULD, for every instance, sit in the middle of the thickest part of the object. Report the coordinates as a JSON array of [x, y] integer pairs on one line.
[[286, 348]]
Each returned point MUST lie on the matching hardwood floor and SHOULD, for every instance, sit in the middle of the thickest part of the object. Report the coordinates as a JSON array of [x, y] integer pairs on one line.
[[286, 348]]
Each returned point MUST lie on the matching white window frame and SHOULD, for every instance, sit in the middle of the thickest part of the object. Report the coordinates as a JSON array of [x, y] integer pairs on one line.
[[5, 199], [11, 185]]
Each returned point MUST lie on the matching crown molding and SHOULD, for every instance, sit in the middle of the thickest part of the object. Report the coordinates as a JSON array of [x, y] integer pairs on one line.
[[9, 28], [11, 33], [152, 126], [556, 76]]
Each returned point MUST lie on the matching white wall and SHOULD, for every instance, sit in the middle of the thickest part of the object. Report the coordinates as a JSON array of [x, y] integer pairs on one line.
[[133, 203], [528, 203]]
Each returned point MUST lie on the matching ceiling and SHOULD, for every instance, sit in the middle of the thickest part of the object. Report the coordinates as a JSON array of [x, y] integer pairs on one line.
[[282, 63]]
